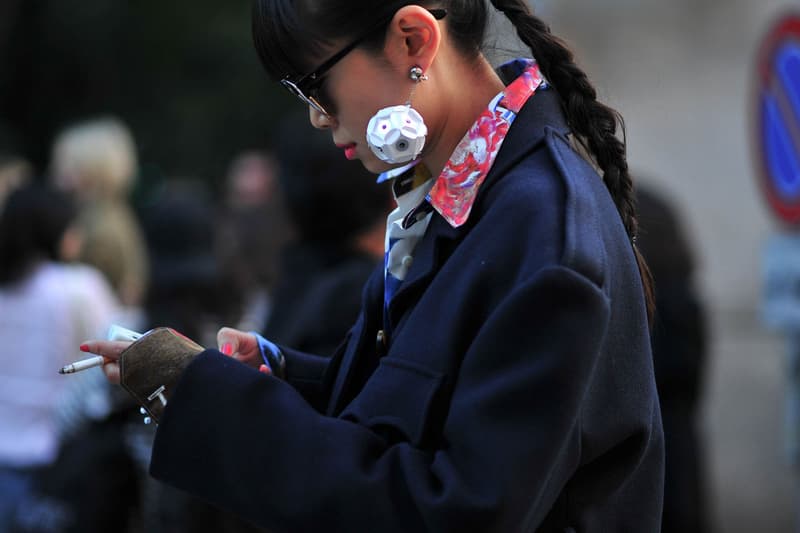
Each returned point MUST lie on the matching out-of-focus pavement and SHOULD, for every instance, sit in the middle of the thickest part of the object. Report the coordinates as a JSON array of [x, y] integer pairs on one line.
[[752, 485], [682, 74]]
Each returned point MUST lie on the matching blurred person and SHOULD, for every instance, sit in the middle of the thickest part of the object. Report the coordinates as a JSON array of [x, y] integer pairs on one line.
[[96, 161], [46, 306], [316, 292], [334, 250], [252, 228], [680, 346], [251, 180], [499, 376], [190, 292], [188, 289], [14, 172]]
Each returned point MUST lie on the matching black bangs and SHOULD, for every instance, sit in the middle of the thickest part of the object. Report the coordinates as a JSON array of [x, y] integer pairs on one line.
[[285, 42]]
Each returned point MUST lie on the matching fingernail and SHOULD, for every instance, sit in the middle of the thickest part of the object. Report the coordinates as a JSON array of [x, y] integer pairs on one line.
[[84, 347], [227, 348], [264, 369]]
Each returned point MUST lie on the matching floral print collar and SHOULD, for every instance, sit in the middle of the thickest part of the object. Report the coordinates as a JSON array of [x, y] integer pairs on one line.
[[456, 188]]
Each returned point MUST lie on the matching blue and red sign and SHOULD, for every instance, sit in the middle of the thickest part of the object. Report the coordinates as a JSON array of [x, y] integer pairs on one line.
[[778, 118]]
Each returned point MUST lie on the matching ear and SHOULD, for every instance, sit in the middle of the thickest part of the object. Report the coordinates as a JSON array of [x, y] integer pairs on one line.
[[413, 38]]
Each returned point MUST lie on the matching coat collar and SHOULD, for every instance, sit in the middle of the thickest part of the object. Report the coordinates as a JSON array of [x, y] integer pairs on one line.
[[541, 111]]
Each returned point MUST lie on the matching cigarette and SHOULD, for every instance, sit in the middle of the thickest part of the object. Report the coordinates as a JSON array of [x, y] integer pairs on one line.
[[115, 333], [83, 364]]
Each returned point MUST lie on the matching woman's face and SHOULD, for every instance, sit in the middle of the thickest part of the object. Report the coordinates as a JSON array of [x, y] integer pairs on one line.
[[353, 91]]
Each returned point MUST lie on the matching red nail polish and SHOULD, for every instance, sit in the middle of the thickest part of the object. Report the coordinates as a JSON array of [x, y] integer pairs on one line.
[[84, 347], [227, 349]]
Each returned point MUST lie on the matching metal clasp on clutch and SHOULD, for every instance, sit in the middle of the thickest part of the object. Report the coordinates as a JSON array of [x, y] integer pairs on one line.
[[158, 393]]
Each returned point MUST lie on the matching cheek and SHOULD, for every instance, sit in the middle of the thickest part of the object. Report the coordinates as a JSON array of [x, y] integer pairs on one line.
[[353, 117], [357, 103], [323, 96]]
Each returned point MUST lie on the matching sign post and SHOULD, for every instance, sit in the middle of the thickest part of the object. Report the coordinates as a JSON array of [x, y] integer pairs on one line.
[[777, 153]]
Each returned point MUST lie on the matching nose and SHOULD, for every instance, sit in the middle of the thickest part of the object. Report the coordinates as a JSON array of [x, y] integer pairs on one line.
[[321, 121]]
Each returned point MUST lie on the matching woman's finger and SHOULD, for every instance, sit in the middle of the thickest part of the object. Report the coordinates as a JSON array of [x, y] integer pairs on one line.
[[228, 340], [110, 349]]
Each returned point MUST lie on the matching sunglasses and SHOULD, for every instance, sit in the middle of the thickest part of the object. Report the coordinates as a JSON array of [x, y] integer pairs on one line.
[[305, 87]]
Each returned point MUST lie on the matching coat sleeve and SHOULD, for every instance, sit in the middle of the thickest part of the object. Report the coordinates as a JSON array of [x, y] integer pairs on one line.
[[252, 444], [307, 374]]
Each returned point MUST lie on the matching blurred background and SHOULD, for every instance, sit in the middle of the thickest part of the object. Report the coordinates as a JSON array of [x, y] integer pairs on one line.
[[183, 77]]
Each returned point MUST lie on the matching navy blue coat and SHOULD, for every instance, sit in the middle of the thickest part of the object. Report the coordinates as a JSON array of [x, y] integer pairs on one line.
[[516, 392]]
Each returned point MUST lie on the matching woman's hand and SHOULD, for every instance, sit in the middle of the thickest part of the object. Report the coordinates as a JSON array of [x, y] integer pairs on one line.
[[241, 346], [111, 351]]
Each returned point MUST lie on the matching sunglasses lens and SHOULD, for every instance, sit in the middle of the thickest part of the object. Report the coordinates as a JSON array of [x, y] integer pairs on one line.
[[308, 100]]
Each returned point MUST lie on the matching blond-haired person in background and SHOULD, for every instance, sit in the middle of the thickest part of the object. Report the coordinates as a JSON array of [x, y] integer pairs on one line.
[[96, 161]]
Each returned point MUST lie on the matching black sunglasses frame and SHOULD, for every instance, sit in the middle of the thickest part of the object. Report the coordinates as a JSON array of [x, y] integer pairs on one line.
[[302, 85]]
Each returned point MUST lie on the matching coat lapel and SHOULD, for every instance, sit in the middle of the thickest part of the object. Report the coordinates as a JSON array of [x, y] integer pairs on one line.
[[541, 111], [360, 346]]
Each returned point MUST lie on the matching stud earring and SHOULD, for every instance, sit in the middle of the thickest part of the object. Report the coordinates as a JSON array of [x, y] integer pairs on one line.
[[416, 74], [396, 134]]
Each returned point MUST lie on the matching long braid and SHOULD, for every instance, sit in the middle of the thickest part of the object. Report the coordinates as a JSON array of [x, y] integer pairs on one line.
[[594, 122]]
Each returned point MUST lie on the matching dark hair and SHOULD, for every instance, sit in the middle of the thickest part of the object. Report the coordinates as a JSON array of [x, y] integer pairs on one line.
[[290, 37], [33, 221], [187, 289]]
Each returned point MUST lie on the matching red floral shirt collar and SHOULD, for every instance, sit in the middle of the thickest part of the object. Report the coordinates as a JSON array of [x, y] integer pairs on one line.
[[457, 186], [454, 191]]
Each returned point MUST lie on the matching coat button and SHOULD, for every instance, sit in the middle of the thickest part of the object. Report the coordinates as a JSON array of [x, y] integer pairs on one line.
[[380, 343]]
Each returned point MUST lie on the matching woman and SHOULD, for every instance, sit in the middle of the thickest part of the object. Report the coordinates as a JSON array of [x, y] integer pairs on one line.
[[95, 162], [46, 307], [499, 376]]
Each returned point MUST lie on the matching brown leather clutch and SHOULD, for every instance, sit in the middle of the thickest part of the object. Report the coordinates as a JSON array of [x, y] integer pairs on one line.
[[150, 367]]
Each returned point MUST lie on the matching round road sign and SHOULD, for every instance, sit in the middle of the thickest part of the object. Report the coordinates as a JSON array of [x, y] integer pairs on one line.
[[778, 118]]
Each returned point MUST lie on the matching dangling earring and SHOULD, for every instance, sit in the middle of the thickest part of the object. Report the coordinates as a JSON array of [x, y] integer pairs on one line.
[[396, 134]]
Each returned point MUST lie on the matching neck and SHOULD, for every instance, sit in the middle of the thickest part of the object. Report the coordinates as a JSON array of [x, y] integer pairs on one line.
[[467, 88]]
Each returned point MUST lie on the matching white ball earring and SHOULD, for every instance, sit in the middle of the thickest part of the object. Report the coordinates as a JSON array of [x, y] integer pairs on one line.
[[396, 134]]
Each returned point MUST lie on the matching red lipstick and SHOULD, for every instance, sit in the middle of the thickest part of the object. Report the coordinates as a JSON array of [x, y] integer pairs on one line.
[[349, 150]]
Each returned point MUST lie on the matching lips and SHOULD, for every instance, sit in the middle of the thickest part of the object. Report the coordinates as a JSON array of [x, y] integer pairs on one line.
[[349, 150]]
